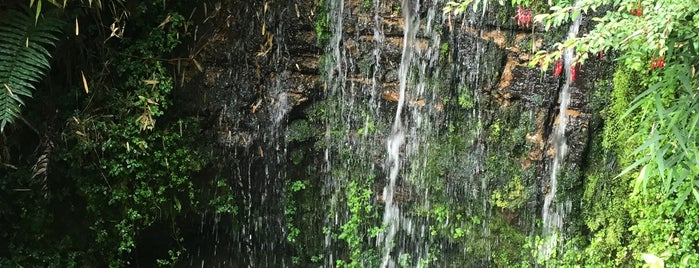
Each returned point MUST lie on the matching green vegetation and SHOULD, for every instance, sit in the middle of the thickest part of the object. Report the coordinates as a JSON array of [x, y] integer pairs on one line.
[[642, 172], [24, 58], [97, 167], [322, 23], [657, 51], [356, 229], [113, 168], [512, 197]]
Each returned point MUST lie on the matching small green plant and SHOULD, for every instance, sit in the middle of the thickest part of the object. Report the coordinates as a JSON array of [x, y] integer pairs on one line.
[[461, 7], [366, 4], [444, 52], [322, 23], [512, 197]]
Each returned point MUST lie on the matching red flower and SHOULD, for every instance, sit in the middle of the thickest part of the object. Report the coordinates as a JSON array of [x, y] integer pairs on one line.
[[559, 68], [659, 63], [639, 11], [528, 17], [523, 16], [572, 73]]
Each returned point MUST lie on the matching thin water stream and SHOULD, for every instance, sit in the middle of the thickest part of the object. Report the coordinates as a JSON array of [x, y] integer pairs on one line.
[[554, 211], [391, 216], [415, 153]]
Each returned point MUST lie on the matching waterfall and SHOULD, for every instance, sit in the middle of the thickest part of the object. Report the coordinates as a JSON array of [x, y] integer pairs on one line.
[[423, 140], [336, 80], [554, 211], [391, 217]]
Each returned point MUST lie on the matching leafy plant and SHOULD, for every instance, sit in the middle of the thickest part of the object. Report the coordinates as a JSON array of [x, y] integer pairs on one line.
[[645, 41], [24, 58], [654, 42], [461, 7], [512, 197]]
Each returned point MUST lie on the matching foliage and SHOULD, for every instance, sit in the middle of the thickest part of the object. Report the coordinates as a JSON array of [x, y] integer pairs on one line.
[[24, 58], [669, 153], [652, 133], [124, 164], [322, 23], [461, 7], [664, 27], [355, 230], [145, 169], [664, 31], [512, 197]]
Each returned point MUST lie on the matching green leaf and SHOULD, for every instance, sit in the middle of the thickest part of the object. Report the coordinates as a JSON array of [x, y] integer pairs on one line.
[[681, 200], [24, 58], [38, 11], [637, 101]]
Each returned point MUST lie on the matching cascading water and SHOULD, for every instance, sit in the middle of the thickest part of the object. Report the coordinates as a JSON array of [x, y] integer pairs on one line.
[[554, 211], [391, 217], [358, 100], [408, 146]]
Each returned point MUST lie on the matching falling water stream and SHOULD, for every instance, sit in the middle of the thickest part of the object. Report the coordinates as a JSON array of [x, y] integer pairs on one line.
[[554, 211], [391, 217], [415, 158]]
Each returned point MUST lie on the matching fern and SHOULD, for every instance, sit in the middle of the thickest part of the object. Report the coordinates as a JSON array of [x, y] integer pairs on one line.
[[24, 58]]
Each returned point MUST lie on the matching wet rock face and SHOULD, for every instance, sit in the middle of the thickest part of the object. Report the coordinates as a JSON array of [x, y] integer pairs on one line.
[[258, 66], [261, 66], [493, 57], [259, 59]]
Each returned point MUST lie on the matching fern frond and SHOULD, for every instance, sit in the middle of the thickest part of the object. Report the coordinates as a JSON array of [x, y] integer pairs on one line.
[[24, 58]]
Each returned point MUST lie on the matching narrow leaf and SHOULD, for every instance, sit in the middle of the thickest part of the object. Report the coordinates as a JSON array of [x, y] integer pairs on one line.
[[639, 181], [681, 199], [38, 11], [87, 89], [637, 101], [9, 90], [680, 138]]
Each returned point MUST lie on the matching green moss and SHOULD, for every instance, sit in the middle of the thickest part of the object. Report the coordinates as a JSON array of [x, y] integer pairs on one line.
[[322, 23], [302, 130], [465, 100], [620, 127], [366, 66], [512, 197], [366, 4], [444, 52]]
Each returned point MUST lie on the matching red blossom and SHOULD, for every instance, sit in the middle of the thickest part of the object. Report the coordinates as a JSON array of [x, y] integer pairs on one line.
[[558, 69], [523, 16], [572, 73], [656, 63]]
